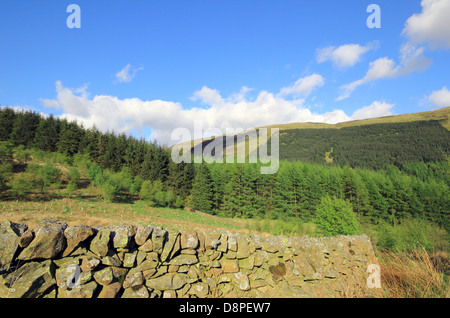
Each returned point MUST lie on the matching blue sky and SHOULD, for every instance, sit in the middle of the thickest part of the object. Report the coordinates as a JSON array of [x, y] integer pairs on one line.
[[148, 67]]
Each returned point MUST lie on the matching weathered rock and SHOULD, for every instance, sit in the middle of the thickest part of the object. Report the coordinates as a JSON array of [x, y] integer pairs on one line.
[[172, 281], [241, 281], [212, 239], [136, 292], [147, 264], [121, 237], [89, 263], [129, 259], [100, 243], [201, 290], [142, 234], [169, 294], [223, 243], [66, 261], [84, 291], [247, 263], [104, 276], [26, 238], [119, 273], [159, 238], [244, 247], [261, 257], [133, 279], [230, 265], [272, 244], [110, 291], [48, 243], [112, 259], [201, 241], [169, 245], [232, 243], [75, 235], [286, 291], [31, 280], [189, 240], [10, 238], [184, 259]]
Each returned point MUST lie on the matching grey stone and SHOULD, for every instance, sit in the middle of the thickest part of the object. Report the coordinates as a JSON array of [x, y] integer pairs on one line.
[[100, 243], [172, 281], [136, 292], [10, 239], [75, 235], [142, 234], [184, 259], [159, 238], [31, 280], [84, 291], [172, 236], [48, 242]]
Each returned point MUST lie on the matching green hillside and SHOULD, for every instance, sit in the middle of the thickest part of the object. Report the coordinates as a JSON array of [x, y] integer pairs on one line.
[[368, 146], [370, 143]]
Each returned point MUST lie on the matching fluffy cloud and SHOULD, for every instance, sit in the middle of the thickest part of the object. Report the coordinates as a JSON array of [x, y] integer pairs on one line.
[[431, 26], [411, 60], [303, 86], [343, 56], [376, 109], [127, 73], [440, 98], [162, 117]]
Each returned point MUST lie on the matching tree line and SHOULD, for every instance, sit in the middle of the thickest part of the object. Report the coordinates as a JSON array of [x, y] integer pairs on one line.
[[239, 190]]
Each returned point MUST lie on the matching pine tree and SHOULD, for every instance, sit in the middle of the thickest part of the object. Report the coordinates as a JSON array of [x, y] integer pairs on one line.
[[202, 194], [219, 175], [180, 178], [47, 134], [70, 137], [248, 193], [24, 128], [264, 190], [7, 117]]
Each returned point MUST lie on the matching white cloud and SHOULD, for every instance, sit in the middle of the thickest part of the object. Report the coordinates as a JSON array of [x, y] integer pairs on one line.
[[376, 109], [431, 26], [133, 114], [411, 60], [303, 86], [127, 73], [343, 56], [440, 98]]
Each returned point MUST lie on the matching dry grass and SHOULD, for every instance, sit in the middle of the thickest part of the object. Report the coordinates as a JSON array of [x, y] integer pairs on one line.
[[442, 115], [96, 212], [414, 275]]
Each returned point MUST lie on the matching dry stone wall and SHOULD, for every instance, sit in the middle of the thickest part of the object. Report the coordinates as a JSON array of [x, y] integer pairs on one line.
[[60, 261]]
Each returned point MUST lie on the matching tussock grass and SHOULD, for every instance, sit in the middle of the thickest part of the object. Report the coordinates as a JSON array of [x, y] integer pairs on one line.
[[416, 274]]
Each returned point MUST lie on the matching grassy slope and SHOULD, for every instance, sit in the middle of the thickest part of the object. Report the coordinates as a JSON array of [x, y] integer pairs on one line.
[[441, 115]]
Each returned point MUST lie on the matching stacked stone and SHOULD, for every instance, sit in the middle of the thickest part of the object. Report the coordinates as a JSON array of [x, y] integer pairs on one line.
[[57, 260]]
